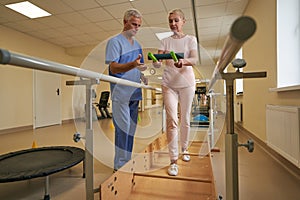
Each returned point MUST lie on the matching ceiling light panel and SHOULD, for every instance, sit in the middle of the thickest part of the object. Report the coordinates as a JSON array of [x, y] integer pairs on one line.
[[28, 9]]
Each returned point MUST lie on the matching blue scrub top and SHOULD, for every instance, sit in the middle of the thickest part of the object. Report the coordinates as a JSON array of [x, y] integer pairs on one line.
[[120, 50]]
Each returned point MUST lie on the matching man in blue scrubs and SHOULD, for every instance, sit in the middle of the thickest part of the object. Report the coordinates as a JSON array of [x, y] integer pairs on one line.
[[125, 59]]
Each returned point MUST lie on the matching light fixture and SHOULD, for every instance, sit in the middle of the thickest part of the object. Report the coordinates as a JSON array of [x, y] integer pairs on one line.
[[28, 9]]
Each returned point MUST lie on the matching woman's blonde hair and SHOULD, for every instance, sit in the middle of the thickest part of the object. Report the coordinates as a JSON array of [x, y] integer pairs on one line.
[[178, 12]]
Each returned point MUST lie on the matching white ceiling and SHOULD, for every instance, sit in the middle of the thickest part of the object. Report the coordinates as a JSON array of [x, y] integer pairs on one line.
[[77, 23]]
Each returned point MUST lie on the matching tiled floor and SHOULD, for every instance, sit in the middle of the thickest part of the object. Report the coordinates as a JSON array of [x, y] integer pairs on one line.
[[260, 176]]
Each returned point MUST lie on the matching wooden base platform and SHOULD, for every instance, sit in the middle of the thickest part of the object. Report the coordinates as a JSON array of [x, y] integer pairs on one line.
[[145, 176]]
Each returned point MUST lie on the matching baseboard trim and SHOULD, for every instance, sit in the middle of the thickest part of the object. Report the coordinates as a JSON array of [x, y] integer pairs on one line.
[[67, 121], [16, 129], [29, 127], [290, 167]]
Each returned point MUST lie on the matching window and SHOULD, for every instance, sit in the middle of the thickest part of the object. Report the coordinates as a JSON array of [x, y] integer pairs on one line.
[[288, 43], [239, 87]]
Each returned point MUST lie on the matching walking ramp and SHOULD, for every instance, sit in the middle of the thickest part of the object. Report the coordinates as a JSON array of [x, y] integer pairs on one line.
[[145, 175]]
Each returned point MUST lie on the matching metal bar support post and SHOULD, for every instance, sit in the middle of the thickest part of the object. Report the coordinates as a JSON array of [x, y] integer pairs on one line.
[[231, 146], [89, 162], [231, 138], [89, 137]]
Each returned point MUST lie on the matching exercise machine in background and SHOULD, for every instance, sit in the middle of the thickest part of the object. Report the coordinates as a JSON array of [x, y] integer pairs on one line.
[[102, 106]]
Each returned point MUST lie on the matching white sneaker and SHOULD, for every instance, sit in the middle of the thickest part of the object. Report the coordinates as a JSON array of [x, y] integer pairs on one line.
[[173, 169], [186, 157]]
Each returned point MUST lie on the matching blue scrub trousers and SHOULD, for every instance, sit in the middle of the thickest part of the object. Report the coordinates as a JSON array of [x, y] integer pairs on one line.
[[125, 115]]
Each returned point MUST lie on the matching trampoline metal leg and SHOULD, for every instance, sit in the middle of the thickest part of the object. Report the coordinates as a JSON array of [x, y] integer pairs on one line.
[[46, 196]]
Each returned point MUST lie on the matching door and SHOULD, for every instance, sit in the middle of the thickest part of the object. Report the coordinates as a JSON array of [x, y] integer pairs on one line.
[[47, 101]]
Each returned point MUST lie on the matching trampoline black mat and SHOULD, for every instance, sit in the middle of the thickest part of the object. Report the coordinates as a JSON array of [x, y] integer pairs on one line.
[[38, 162]]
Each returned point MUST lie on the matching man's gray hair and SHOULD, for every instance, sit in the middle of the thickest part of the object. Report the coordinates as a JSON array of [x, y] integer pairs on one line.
[[132, 12]]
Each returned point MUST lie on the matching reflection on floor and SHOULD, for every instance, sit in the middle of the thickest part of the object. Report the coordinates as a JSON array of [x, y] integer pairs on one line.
[[260, 176]]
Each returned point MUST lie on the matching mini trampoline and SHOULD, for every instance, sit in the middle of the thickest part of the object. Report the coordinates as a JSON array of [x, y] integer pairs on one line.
[[38, 162]]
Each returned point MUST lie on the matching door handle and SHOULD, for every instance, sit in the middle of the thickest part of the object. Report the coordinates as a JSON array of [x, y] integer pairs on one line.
[[57, 91]]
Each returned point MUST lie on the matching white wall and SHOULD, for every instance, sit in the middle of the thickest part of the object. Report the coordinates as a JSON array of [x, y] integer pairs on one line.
[[16, 84]]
